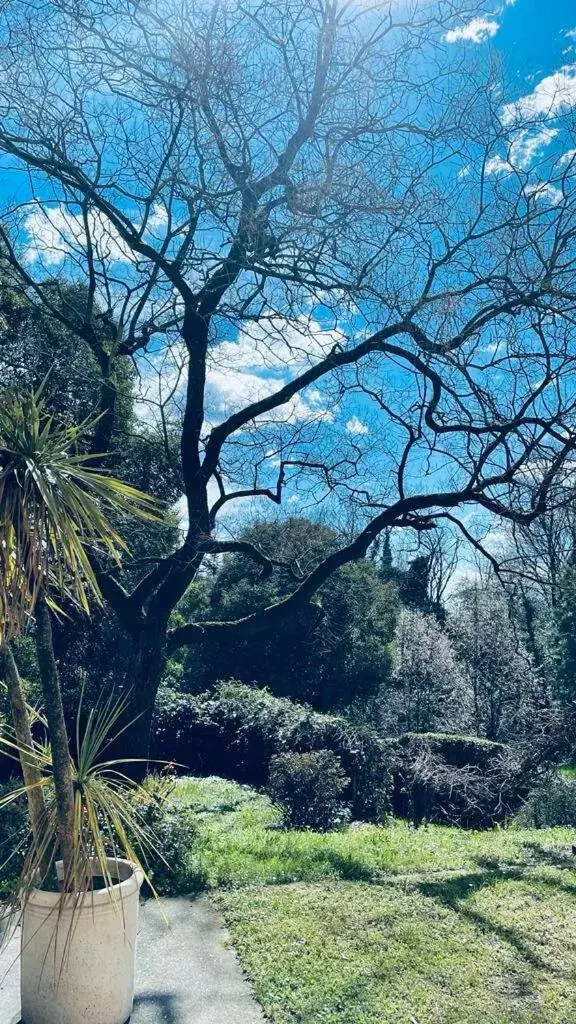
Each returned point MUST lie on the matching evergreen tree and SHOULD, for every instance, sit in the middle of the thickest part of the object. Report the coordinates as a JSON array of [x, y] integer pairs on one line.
[[413, 585], [338, 656]]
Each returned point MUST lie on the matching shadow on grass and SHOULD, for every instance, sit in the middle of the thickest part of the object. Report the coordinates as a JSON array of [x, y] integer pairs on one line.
[[454, 893], [564, 860], [222, 808], [348, 868]]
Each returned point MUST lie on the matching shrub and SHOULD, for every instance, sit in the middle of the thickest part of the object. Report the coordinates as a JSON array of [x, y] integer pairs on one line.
[[6, 763], [14, 834], [174, 833], [459, 780], [552, 802], [236, 729], [309, 788]]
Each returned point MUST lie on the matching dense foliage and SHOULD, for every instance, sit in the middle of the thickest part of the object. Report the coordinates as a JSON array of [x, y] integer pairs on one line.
[[339, 654], [174, 830], [13, 840], [563, 646], [309, 788], [552, 802], [241, 731], [235, 730]]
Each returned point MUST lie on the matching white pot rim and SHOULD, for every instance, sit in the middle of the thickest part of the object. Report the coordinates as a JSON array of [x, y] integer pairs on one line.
[[130, 878]]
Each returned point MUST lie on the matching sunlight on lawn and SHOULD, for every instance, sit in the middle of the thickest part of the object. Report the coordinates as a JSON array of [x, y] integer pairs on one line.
[[390, 925]]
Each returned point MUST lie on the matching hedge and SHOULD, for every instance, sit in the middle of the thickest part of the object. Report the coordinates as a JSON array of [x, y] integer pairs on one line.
[[235, 730]]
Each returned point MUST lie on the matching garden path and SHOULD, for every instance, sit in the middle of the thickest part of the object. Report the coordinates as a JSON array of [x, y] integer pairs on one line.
[[186, 972]]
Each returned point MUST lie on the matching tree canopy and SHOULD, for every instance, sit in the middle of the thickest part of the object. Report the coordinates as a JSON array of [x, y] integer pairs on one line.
[[312, 228]]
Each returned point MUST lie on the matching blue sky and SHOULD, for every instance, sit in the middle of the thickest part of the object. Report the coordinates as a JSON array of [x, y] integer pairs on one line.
[[532, 40]]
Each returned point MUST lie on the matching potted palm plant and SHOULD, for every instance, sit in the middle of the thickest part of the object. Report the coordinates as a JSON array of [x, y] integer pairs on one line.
[[78, 896]]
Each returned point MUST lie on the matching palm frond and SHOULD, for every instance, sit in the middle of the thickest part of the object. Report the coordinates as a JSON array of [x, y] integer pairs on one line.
[[54, 507]]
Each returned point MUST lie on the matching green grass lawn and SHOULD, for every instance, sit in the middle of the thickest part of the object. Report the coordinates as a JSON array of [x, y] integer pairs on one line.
[[391, 925]]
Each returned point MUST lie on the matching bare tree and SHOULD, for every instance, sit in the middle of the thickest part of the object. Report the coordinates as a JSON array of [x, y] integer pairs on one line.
[[285, 207], [539, 551], [504, 689], [427, 691]]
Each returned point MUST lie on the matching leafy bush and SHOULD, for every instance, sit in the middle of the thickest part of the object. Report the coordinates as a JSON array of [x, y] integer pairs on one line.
[[14, 833], [458, 780], [236, 729], [552, 802], [6, 763], [173, 827], [309, 788]]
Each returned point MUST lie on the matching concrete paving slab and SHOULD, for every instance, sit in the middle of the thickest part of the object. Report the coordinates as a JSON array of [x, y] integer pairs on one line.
[[186, 972]]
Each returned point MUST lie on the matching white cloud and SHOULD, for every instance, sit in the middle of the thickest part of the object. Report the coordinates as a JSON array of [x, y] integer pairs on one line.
[[497, 165], [529, 145], [547, 193], [229, 392], [265, 356], [261, 361], [554, 95], [355, 426], [55, 233], [524, 149], [567, 158], [476, 31], [571, 33], [158, 217], [277, 344]]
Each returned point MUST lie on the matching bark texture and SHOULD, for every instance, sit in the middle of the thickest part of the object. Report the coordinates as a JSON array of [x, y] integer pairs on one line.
[[61, 762]]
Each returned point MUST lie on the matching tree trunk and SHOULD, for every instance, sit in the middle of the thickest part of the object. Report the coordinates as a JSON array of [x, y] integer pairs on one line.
[[150, 666], [135, 740], [30, 771], [61, 762]]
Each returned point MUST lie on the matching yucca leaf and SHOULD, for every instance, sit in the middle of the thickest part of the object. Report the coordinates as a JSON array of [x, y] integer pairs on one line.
[[54, 508]]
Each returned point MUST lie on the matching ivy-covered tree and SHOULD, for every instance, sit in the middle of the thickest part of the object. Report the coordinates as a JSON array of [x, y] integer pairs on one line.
[[37, 350]]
